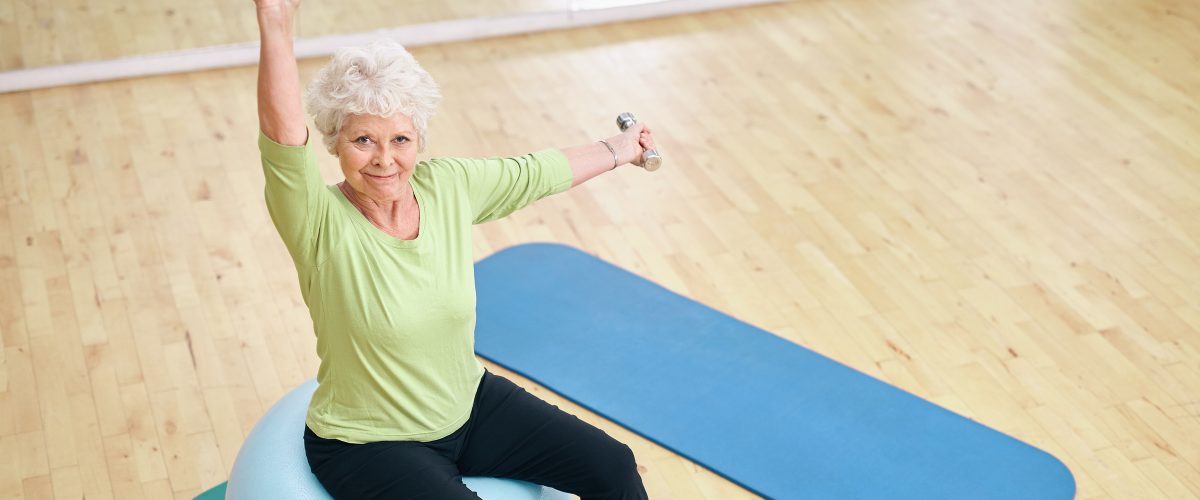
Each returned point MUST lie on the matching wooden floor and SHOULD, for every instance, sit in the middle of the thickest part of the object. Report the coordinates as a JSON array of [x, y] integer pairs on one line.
[[39, 33], [995, 206]]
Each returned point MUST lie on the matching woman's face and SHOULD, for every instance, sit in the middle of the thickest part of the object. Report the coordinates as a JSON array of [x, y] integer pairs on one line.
[[378, 154]]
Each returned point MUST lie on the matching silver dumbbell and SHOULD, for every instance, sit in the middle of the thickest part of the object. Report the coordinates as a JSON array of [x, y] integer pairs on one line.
[[650, 158]]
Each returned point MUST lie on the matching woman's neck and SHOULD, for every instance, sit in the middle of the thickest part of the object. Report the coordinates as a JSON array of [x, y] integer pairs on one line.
[[391, 215]]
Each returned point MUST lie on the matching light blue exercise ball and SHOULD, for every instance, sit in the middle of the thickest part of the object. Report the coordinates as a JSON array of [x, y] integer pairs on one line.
[[272, 463]]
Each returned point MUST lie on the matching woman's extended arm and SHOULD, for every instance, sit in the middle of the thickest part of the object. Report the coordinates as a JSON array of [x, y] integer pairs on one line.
[[280, 114], [593, 159]]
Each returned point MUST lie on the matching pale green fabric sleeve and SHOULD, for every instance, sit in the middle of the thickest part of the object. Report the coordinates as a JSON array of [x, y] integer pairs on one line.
[[297, 198], [500, 186]]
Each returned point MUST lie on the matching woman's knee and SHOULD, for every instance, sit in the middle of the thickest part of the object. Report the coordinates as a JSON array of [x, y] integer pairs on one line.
[[615, 470]]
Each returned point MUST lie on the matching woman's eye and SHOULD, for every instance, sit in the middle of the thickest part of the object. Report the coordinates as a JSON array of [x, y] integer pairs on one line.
[[401, 139], [362, 139]]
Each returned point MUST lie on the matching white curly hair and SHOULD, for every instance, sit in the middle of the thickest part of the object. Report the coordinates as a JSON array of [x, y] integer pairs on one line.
[[379, 79]]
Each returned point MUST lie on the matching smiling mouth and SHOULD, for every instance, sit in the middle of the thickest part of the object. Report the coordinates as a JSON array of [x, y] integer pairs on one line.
[[382, 178]]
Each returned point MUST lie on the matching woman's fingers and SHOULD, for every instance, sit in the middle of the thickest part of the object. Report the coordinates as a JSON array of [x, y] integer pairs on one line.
[[635, 140], [646, 139]]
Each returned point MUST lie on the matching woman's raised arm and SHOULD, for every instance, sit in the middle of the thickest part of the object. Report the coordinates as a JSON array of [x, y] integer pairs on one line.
[[280, 114]]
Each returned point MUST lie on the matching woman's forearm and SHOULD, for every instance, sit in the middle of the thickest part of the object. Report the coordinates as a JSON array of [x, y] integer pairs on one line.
[[280, 114], [588, 160]]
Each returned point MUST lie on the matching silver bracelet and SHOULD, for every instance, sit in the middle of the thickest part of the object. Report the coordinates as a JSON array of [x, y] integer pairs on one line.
[[610, 150]]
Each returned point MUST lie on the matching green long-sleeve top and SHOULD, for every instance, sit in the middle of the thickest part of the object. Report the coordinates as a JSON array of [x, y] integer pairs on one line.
[[395, 319]]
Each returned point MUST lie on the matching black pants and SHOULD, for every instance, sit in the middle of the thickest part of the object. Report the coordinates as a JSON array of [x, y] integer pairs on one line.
[[510, 433]]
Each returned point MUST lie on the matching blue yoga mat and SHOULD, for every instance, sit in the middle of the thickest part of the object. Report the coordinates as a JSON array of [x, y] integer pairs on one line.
[[770, 415]]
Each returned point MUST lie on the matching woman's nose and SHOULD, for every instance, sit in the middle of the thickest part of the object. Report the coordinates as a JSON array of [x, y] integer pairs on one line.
[[381, 155]]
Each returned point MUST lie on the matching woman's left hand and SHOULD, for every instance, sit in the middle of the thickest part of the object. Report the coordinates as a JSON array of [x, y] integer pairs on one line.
[[630, 144]]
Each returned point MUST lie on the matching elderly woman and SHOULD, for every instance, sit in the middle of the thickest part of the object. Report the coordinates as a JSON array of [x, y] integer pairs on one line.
[[403, 408]]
